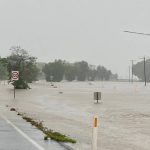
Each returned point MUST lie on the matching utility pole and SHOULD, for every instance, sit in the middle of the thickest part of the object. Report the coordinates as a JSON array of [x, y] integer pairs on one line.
[[145, 71], [129, 75], [132, 61], [144, 61]]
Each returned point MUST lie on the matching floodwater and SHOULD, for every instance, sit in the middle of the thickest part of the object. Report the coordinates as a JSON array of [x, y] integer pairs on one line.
[[68, 107]]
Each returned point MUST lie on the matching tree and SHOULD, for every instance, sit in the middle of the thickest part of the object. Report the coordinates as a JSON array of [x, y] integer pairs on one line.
[[103, 73], [3, 69], [21, 61], [92, 73], [138, 70], [69, 72], [82, 69], [55, 70]]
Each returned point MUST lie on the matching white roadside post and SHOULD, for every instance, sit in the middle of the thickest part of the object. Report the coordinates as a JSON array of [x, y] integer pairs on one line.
[[95, 133]]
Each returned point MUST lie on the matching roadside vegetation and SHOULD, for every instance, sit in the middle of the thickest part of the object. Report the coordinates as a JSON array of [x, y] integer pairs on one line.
[[19, 60], [138, 70], [3, 69], [81, 71], [49, 134], [30, 70]]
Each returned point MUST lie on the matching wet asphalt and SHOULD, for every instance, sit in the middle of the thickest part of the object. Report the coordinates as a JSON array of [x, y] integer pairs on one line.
[[17, 134]]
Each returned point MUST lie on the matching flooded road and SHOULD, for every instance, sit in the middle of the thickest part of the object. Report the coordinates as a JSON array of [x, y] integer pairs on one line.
[[17, 134], [124, 111]]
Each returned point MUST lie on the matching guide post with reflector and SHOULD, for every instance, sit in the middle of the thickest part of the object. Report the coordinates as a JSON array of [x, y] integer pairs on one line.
[[95, 133]]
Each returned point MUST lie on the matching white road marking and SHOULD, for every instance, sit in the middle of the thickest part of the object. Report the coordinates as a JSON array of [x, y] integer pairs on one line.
[[23, 134]]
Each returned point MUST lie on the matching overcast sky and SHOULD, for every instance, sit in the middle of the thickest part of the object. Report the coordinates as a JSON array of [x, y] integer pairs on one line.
[[74, 30]]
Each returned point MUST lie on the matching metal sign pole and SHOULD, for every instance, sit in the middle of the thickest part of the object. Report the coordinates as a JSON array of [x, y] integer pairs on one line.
[[14, 77], [97, 96], [14, 91]]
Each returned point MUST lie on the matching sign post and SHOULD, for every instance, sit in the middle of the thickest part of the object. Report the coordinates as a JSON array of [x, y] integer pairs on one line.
[[14, 92], [14, 77]]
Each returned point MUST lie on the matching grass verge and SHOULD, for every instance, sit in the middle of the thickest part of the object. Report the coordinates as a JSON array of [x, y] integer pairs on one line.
[[49, 133]]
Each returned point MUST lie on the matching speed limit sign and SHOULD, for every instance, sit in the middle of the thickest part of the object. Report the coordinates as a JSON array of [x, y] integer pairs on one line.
[[15, 75]]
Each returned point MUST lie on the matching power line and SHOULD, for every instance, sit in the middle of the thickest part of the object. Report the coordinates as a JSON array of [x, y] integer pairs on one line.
[[137, 33], [144, 59]]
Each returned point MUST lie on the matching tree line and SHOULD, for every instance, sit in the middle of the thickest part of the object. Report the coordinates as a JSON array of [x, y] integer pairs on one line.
[[30, 70], [81, 71]]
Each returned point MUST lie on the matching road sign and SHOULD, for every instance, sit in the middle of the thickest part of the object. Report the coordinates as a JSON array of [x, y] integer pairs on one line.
[[97, 96], [15, 75]]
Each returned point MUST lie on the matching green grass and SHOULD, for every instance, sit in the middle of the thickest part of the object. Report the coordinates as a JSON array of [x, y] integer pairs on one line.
[[45, 137], [49, 133]]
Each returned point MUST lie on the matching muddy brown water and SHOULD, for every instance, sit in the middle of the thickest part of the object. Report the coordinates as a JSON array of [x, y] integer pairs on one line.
[[124, 111]]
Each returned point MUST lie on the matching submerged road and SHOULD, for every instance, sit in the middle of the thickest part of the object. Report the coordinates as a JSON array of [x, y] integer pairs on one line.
[[17, 134]]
